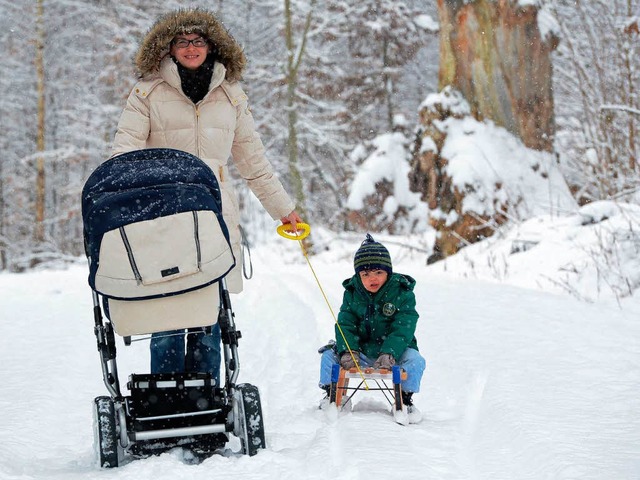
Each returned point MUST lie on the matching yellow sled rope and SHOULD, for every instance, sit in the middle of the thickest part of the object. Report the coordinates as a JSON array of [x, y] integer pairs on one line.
[[287, 231]]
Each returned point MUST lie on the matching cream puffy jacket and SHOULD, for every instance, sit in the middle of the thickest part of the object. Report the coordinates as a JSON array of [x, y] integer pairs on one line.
[[159, 115]]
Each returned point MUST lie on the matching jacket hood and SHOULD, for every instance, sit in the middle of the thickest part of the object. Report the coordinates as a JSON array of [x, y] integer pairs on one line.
[[155, 44]]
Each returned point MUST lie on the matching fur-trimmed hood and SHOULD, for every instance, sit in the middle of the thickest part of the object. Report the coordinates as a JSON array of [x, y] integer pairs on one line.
[[155, 44]]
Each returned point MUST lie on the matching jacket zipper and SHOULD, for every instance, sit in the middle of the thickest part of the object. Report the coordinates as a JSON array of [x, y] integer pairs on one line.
[[197, 129]]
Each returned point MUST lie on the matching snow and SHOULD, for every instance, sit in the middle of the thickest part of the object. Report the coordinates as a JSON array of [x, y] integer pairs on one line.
[[482, 156], [530, 337], [529, 3], [387, 162], [427, 23], [491, 167], [592, 254], [521, 383], [449, 99], [548, 25]]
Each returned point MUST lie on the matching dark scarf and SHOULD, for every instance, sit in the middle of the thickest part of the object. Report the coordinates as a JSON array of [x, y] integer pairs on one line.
[[195, 83]]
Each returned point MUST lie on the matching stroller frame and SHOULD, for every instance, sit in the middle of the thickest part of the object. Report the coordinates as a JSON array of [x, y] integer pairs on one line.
[[169, 410], [159, 251]]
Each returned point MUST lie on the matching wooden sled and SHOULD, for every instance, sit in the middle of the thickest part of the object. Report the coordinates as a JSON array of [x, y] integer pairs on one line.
[[369, 379]]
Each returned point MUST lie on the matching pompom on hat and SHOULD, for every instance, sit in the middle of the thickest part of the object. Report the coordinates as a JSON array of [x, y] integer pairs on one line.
[[372, 255]]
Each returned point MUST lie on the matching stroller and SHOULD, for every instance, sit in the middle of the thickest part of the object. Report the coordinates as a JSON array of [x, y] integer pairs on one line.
[[158, 252]]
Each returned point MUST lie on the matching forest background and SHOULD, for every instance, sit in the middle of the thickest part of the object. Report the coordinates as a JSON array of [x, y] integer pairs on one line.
[[324, 78]]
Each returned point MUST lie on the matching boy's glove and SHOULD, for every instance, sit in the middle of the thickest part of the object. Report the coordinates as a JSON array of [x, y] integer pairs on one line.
[[385, 361], [346, 361]]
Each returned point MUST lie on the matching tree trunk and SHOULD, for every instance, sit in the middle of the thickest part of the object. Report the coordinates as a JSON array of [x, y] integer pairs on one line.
[[632, 32], [493, 58], [3, 243], [294, 57], [40, 144], [388, 83], [493, 52]]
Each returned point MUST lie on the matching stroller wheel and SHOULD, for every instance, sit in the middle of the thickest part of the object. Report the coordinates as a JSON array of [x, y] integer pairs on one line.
[[105, 433], [248, 423]]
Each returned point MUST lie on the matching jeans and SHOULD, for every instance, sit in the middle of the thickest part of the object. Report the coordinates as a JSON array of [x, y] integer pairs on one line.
[[411, 362], [202, 352]]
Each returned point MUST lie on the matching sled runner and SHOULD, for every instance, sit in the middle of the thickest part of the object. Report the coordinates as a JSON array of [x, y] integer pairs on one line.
[[369, 379], [158, 252]]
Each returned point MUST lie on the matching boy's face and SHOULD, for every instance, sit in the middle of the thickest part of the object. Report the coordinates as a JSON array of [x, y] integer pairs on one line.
[[373, 280]]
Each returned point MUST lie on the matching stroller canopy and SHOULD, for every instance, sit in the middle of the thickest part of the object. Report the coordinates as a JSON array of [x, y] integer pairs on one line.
[[140, 187]]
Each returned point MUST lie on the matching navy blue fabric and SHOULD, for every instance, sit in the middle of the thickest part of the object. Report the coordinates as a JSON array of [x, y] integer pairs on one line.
[[144, 185]]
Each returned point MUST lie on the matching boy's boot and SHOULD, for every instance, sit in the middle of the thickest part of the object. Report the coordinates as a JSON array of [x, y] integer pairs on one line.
[[415, 416], [324, 403]]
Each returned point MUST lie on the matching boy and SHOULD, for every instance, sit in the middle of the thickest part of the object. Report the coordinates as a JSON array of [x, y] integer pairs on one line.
[[378, 319]]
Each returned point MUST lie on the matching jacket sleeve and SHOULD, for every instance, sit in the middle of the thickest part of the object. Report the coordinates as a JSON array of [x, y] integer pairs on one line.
[[403, 327], [133, 127], [348, 325], [248, 153]]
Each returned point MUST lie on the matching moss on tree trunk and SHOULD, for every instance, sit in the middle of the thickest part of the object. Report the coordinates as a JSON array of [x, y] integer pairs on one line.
[[493, 52]]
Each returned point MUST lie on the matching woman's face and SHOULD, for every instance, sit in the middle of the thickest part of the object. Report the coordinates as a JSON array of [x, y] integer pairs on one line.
[[373, 280], [190, 56]]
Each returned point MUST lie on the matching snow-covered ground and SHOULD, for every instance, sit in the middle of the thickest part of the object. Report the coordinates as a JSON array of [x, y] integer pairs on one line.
[[520, 383]]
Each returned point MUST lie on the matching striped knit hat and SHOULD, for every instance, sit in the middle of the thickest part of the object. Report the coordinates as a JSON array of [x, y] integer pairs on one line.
[[372, 255]]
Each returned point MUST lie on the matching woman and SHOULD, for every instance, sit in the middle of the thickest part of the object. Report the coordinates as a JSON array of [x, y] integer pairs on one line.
[[189, 99]]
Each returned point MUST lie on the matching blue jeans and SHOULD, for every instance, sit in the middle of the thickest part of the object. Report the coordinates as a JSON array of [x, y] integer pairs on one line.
[[411, 362], [202, 352]]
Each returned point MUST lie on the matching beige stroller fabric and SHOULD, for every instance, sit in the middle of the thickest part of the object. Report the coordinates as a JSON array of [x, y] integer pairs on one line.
[[192, 309], [163, 256], [170, 254]]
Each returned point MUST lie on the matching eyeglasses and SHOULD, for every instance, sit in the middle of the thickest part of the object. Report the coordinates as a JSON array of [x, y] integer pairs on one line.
[[184, 43]]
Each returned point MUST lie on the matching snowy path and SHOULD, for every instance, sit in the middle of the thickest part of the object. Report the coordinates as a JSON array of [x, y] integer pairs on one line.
[[519, 385]]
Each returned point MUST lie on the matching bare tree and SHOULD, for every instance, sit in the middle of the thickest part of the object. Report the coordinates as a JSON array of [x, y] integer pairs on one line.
[[40, 142], [295, 85], [295, 54], [598, 99], [297, 109], [379, 38]]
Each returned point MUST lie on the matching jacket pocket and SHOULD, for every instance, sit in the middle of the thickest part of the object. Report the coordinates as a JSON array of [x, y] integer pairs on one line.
[[162, 249], [163, 256]]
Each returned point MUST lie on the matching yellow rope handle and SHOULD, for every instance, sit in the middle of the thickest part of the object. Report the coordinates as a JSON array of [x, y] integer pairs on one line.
[[287, 231], [355, 360]]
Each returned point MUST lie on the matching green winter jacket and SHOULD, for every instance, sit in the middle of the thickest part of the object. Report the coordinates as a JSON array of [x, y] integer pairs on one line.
[[381, 322]]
